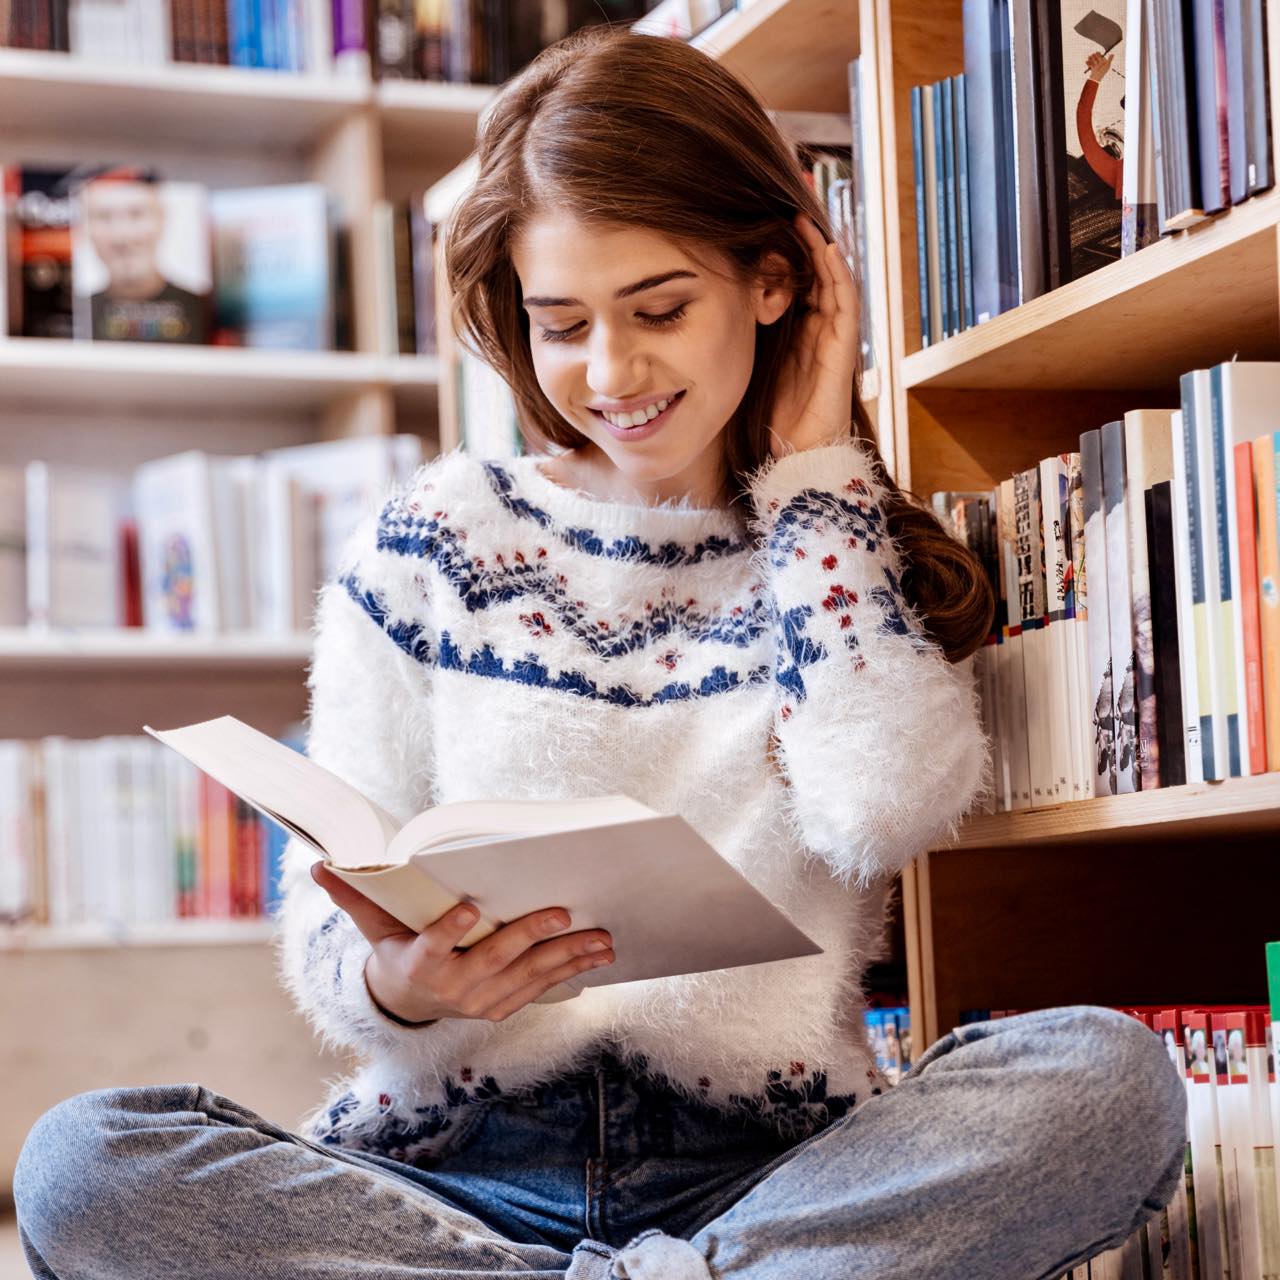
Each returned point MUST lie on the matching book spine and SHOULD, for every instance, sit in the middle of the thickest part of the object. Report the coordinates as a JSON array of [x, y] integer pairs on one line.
[[1260, 169], [939, 195], [948, 212], [1268, 508], [1028, 149], [1228, 668], [984, 159], [931, 215], [1158, 501], [1099, 706], [1188, 667], [1214, 170], [962, 204], [1246, 534], [1120, 608], [922, 251]]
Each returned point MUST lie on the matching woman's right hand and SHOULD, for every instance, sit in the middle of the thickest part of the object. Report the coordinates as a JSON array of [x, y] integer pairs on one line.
[[420, 977]]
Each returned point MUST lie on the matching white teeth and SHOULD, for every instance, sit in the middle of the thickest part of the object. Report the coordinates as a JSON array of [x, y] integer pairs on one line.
[[640, 416]]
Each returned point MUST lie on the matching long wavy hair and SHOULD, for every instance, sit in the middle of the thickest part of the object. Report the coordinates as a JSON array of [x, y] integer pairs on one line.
[[615, 128]]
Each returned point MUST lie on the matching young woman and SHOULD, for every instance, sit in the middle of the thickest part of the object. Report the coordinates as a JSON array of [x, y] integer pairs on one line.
[[703, 591]]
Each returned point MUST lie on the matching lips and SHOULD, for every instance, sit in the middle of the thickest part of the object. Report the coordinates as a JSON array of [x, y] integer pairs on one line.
[[645, 429]]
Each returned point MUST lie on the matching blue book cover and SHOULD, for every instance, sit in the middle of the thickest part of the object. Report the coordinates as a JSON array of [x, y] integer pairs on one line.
[[962, 203], [922, 251], [242, 35], [940, 208], [949, 200]]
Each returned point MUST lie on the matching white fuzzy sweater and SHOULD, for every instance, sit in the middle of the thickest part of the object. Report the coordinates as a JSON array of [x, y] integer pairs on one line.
[[494, 634]]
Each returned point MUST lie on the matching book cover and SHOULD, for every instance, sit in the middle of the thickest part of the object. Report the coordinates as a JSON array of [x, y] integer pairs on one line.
[[1188, 665], [1048, 30], [1208, 42], [1028, 149], [1101, 703], [967, 317], [38, 222], [274, 266], [1120, 607], [1013, 712], [1267, 492], [944, 118], [1140, 214], [922, 233], [140, 259], [13, 546], [1092, 88], [1059, 691], [1257, 98], [1167, 679], [1080, 713], [1032, 604], [1232, 80], [934, 233], [1148, 442], [1174, 132], [1246, 534], [424, 289], [1206, 1144]]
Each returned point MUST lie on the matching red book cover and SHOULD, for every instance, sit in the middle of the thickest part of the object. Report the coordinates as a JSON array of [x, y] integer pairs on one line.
[[131, 575], [1247, 543]]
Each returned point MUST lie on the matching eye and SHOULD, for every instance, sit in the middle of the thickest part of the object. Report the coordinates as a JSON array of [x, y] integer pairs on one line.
[[654, 322]]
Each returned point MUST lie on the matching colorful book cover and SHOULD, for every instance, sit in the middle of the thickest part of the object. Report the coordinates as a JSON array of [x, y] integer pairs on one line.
[[141, 259], [1266, 480], [1013, 714], [1032, 605], [1246, 540], [1093, 91], [38, 217]]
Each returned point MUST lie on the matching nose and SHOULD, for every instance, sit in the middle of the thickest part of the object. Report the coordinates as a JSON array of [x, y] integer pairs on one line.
[[615, 362]]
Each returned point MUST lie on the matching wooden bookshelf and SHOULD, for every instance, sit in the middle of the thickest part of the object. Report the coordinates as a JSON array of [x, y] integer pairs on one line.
[[25, 648], [185, 933], [1138, 898]]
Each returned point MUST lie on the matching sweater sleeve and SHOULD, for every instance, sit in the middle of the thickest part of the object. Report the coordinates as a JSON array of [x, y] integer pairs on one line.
[[878, 735], [368, 682]]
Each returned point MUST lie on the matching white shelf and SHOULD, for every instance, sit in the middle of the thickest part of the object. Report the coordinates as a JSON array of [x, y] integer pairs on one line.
[[57, 93], [46, 370], [25, 647], [432, 125], [181, 933]]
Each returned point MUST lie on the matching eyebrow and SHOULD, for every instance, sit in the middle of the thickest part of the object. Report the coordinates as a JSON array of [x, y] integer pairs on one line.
[[649, 282]]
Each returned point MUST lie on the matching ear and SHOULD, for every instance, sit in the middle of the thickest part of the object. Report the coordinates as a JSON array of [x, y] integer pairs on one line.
[[770, 298]]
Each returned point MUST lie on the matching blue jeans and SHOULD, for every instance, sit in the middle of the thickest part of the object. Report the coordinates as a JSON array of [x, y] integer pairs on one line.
[[1014, 1149]]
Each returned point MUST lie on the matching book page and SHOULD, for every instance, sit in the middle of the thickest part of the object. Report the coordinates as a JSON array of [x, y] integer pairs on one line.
[[296, 793], [475, 821]]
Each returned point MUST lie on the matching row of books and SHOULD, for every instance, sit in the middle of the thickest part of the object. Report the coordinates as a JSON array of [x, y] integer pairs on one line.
[[1136, 639], [1079, 133], [457, 41], [405, 240], [122, 831], [191, 544], [889, 1035], [117, 254], [1223, 1222]]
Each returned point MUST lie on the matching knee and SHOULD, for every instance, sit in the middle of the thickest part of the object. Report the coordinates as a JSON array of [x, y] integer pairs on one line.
[[69, 1180], [1124, 1092]]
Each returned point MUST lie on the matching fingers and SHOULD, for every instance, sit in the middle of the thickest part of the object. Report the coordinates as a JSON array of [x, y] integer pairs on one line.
[[368, 917], [493, 954], [577, 950], [524, 995]]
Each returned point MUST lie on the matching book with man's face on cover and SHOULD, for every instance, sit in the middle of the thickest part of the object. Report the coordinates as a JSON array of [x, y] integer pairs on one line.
[[141, 253]]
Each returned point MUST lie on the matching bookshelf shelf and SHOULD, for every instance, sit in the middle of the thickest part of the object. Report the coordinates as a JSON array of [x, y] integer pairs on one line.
[[432, 124], [183, 933], [1236, 806], [55, 93], [1185, 302], [125, 373], [764, 44], [25, 647]]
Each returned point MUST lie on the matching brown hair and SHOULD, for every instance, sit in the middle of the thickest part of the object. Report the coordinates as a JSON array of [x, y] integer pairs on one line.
[[624, 129]]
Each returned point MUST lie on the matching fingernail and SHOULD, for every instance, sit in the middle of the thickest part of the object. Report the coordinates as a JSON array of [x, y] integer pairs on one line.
[[557, 921], [468, 915], [596, 945], [596, 964]]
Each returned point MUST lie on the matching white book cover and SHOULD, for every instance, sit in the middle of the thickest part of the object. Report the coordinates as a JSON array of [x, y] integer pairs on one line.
[[1175, 1218], [60, 824], [349, 480], [1187, 666], [318, 37], [177, 545], [288, 551], [74, 561], [15, 833], [235, 533], [1148, 445], [1245, 407], [1116, 499], [155, 870], [13, 539], [1212, 655], [1078, 656]]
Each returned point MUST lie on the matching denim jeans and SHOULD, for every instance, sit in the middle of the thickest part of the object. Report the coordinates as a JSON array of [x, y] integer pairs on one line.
[[1013, 1149]]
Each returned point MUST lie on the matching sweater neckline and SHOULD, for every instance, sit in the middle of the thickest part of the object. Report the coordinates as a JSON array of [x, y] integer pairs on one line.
[[677, 518]]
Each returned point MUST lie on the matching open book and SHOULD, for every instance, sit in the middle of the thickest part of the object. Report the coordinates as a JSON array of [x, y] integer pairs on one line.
[[671, 903]]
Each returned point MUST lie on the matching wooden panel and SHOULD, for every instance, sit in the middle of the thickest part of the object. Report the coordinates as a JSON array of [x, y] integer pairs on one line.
[[1191, 300], [794, 53], [974, 439], [88, 1019], [1235, 806], [1101, 923]]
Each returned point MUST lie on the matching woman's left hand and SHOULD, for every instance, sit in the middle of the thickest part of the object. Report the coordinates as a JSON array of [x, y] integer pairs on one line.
[[815, 388]]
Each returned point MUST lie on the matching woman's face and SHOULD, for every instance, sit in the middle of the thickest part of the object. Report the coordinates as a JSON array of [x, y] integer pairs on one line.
[[621, 319]]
